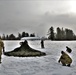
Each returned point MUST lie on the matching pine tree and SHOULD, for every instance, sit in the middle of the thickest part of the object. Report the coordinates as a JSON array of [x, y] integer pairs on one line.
[[51, 33]]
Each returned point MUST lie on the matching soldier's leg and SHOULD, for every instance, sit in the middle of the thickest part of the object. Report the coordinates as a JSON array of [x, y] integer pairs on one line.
[[63, 62], [68, 65]]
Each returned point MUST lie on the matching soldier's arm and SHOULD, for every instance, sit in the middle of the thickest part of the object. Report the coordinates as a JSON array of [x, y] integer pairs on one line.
[[62, 57], [59, 59]]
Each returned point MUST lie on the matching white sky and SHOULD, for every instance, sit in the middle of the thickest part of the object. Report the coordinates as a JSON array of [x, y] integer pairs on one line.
[[36, 16]]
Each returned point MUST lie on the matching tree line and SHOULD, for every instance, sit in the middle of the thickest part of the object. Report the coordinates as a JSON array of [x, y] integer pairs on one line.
[[13, 37], [61, 34]]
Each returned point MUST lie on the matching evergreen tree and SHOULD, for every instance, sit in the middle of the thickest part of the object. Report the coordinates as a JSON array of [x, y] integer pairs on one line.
[[69, 34], [58, 36], [12, 37], [19, 36], [51, 33], [3, 37], [25, 34], [62, 34], [32, 35], [7, 37]]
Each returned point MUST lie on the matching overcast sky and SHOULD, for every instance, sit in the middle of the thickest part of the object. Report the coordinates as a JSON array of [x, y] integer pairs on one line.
[[36, 16]]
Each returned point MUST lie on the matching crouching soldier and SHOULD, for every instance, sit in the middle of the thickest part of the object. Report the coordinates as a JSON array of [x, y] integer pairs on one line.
[[65, 59], [1, 47]]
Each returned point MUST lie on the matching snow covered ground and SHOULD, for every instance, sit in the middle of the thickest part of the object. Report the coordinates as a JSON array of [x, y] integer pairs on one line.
[[45, 65]]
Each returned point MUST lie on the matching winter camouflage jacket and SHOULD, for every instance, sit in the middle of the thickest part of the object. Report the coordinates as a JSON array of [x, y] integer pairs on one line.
[[65, 58]]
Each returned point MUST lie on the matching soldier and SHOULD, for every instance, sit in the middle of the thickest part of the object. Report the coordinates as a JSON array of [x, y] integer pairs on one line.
[[1, 47], [65, 59], [42, 44]]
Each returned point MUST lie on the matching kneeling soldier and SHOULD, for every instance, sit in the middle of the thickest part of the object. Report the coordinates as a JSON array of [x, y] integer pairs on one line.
[[65, 59]]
